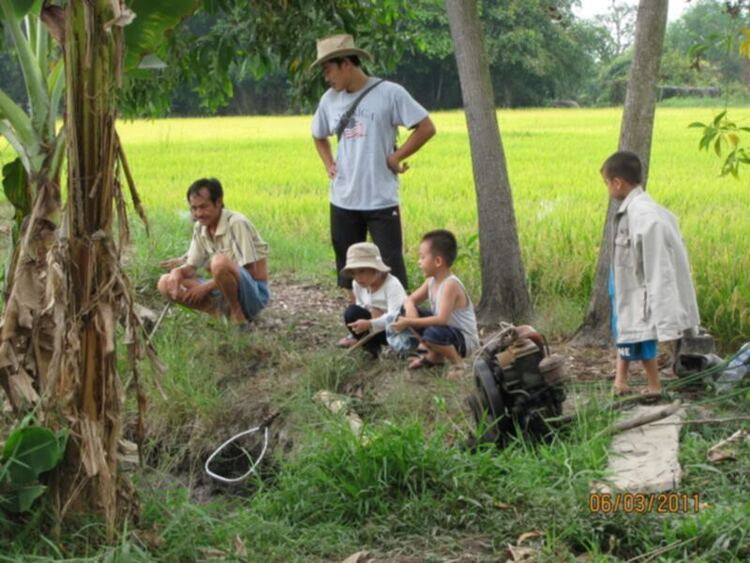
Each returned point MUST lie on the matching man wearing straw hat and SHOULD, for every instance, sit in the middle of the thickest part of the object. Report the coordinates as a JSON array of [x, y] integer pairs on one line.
[[364, 113]]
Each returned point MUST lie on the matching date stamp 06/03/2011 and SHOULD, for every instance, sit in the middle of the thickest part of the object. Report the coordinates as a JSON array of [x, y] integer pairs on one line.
[[642, 503]]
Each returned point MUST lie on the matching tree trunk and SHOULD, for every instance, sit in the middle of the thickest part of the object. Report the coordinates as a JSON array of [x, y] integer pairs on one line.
[[636, 132], [504, 293], [87, 394]]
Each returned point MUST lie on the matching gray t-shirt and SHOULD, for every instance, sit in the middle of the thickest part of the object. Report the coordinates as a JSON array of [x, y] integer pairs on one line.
[[363, 180]]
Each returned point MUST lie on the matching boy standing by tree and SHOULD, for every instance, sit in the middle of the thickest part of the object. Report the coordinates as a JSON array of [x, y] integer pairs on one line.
[[364, 175], [653, 298], [449, 328]]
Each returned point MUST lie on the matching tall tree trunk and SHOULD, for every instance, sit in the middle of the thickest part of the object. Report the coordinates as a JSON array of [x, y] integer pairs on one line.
[[87, 393], [636, 131], [504, 293]]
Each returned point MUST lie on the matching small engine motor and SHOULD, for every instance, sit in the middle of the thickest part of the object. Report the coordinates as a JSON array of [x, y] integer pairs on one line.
[[519, 385]]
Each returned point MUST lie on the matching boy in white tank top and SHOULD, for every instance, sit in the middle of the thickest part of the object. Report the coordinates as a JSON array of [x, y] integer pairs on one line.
[[449, 329]]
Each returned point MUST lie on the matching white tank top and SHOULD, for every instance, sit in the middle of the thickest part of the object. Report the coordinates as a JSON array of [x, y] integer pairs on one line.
[[462, 318]]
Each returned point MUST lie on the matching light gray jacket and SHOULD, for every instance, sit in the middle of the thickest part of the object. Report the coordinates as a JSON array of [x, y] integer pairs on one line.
[[654, 293]]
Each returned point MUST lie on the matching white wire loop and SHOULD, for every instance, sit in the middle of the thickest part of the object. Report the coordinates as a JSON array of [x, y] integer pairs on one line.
[[252, 467]]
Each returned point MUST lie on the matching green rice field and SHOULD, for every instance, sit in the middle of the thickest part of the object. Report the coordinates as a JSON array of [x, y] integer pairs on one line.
[[409, 490], [271, 172]]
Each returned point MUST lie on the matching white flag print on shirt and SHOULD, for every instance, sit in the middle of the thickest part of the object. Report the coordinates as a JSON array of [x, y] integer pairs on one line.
[[359, 130]]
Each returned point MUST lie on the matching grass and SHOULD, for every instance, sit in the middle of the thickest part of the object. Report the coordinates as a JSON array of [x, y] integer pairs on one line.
[[271, 173], [409, 491], [406, 494]]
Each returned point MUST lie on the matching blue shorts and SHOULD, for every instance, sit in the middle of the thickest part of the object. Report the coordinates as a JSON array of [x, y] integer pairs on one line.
[[628, 351], [637, 351], [253, 294], [443, 335]]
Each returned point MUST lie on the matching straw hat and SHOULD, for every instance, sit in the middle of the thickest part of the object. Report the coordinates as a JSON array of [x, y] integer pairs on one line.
[[364, 255], [338, 46]]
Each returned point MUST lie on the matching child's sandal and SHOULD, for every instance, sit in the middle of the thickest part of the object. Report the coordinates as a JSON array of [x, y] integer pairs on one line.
[[419, 362], [621, 391], [649, 395]]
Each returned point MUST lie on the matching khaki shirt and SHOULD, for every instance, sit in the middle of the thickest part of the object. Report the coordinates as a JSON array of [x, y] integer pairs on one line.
[[235, 237], [654, 292]]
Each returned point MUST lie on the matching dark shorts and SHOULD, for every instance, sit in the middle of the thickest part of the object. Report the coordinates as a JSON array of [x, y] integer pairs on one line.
[[637, 351], [355, 313], [443, 335]]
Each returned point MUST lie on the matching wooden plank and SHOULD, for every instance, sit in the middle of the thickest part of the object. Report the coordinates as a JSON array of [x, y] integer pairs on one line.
[[644, 459]]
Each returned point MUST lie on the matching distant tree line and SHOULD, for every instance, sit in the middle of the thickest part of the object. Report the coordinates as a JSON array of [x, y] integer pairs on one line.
[[540, 54]]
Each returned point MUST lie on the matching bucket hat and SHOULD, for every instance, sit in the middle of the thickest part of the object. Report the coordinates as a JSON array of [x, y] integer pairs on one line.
[[338, 46], [364, 255]]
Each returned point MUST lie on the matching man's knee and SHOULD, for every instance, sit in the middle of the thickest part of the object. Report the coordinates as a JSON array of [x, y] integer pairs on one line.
[[220, 264]]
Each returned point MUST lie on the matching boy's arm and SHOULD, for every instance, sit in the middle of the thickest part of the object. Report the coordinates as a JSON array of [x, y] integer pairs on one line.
[[413, 300], [394, 298], [447, 304]]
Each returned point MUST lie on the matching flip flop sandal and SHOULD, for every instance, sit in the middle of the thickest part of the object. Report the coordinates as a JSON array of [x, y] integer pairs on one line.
[[421, 362], [650, 395], [622, 391], [346, 342]]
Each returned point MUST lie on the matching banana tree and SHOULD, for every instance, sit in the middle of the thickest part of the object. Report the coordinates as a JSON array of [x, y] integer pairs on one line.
[[33, 178], [57, 346]]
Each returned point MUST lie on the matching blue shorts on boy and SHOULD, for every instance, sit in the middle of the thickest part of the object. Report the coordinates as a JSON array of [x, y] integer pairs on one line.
[[637, 351], [629, 351], [443, 335]]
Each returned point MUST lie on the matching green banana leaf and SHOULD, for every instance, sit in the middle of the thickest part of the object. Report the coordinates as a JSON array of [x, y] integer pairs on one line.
[[154, 19], [16, 189], [29, 452], [20, 499]]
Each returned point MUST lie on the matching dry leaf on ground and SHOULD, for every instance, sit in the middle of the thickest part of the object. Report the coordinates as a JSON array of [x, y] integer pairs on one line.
[[359, 557]]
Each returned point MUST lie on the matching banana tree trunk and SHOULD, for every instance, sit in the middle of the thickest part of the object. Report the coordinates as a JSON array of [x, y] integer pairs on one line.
[[87, 393]]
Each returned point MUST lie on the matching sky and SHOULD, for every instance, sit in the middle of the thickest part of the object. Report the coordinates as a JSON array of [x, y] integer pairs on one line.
[[590, 8]]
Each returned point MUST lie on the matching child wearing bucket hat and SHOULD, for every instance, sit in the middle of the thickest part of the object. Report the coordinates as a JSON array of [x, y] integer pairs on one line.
[[377, 293]]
